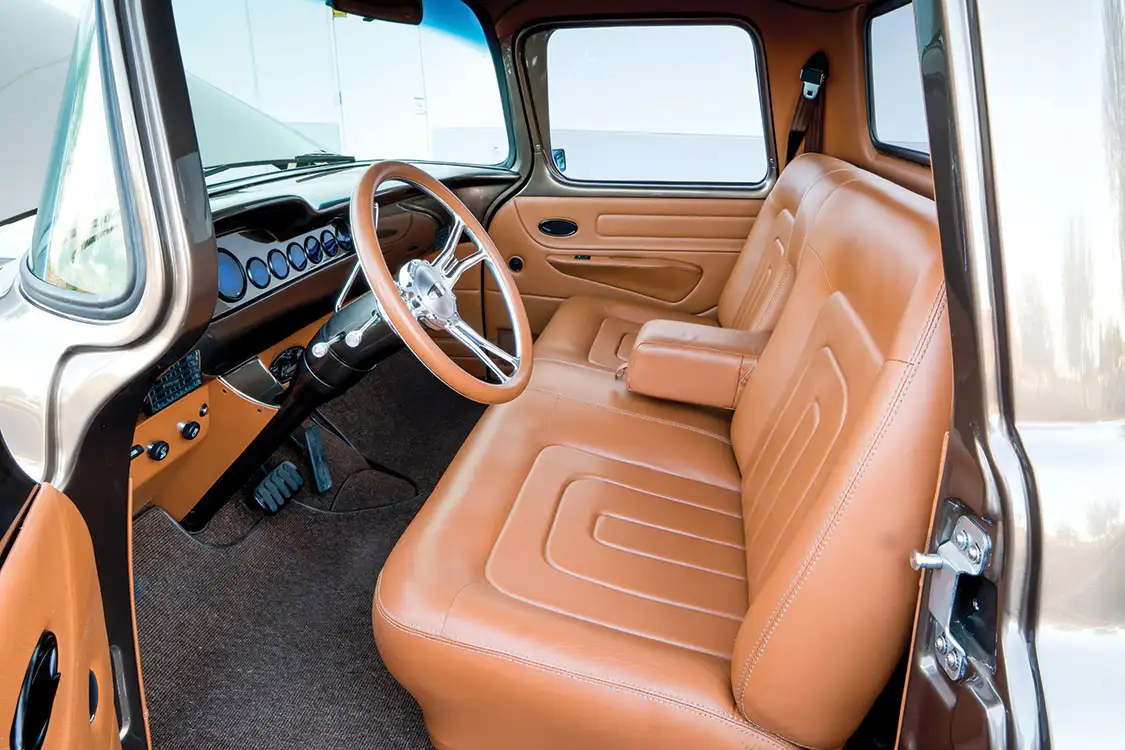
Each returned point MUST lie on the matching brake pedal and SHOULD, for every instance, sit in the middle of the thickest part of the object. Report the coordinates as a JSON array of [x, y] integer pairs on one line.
[[278, 488]]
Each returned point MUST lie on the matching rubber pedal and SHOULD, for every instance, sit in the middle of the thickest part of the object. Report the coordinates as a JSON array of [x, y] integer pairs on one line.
[[314, 449], [278, 488]]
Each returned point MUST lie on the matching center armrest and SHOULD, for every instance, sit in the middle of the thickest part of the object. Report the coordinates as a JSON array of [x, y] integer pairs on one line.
[[692, 363]]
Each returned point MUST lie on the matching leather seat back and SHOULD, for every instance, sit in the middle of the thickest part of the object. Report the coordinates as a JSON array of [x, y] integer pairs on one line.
[[838, 475], [764, 273]]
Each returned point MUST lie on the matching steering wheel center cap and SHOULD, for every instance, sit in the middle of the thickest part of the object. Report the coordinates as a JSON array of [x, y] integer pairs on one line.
[[429, 292]]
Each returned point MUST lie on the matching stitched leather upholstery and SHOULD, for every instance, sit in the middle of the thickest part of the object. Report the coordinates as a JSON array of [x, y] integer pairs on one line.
[[656, 575], [600, 333]]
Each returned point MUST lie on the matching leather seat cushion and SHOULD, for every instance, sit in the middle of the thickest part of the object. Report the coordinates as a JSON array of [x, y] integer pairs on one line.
[[590, 571], [599, 333]]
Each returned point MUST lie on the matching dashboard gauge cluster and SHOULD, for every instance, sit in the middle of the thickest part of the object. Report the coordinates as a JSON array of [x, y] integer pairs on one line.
[[251, 266]]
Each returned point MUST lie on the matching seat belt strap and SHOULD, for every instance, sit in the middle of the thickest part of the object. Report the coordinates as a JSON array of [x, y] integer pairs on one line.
[[808, 118]]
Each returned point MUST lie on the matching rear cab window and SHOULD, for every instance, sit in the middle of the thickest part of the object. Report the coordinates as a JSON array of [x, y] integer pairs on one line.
[[896, 109], [656, 103]]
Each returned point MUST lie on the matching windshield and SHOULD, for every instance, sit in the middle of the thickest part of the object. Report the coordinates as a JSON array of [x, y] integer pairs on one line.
[[271, 80]]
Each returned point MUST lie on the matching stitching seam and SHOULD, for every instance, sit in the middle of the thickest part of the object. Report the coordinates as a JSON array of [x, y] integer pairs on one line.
[[688, 347], [734, 722], [773, 299], [842, 502], [668, 422]]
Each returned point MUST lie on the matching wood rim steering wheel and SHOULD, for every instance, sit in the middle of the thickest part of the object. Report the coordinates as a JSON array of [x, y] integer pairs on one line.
[[421, 293]]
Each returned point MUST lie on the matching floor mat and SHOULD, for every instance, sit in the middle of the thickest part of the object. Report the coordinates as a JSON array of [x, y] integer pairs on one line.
[[256, 632], [268, 643], [400, 416], [404, 417]]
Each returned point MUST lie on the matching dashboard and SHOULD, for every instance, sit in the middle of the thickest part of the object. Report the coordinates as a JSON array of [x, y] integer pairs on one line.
[[255, 263], [284, 250]]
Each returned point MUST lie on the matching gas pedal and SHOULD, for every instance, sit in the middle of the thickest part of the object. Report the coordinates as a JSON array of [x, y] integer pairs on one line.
[[314, 449]]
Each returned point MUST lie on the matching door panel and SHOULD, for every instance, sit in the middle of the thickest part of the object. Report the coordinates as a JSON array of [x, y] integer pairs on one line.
[[49, 584], [669, 252]]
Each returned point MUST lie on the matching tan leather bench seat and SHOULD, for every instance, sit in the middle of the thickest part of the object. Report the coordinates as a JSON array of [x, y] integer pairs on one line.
[[599, 333], [587, 576]]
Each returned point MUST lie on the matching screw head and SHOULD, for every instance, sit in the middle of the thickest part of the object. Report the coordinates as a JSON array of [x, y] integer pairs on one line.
[[953, 661], [974, 553], [961, 539], [941, 644]]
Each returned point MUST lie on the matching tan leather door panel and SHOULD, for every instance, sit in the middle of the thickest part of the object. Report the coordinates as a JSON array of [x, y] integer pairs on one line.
[[49, 584], [670, 252]]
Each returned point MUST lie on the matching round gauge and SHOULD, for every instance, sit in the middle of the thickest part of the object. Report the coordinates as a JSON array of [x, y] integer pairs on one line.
[[328, 242], [232, 279], [344, 235], [297, 257], [312, 249], [278, 264], [258, 273]]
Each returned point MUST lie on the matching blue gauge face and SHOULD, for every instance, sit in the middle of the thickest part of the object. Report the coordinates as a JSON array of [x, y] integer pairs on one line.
[[278, 264], [232, 280], [328, 242], [297, 257], [344, 235], [258, 273], [312, 249]]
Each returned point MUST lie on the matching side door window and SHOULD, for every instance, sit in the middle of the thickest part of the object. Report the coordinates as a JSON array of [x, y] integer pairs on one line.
[[896, 110], [660, 103]]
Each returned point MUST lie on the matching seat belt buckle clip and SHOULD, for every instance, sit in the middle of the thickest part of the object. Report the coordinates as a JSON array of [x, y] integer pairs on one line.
[[813, 79]]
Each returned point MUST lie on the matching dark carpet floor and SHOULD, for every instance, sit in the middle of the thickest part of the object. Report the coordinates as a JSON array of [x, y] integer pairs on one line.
[[256, 632]]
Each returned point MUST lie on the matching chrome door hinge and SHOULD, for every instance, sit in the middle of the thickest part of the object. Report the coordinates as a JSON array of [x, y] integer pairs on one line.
[[967, 552]]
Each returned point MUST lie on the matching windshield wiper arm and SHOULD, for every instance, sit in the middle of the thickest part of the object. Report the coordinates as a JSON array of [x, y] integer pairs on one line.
[[289, 162]]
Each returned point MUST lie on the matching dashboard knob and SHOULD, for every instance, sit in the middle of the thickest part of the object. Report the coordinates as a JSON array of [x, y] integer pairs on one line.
[[157, 450], [189, 430]]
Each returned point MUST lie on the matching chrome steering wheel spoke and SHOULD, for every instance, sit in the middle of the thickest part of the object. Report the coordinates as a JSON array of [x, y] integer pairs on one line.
[[454, 270], [484, 349], [448, 253]]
